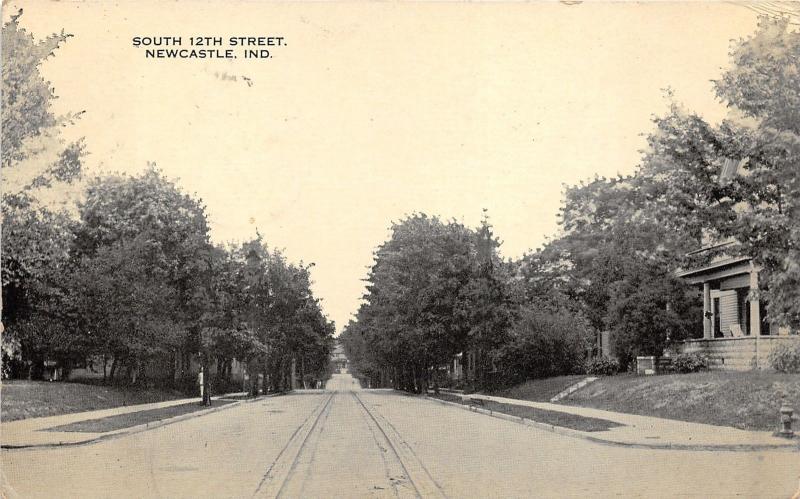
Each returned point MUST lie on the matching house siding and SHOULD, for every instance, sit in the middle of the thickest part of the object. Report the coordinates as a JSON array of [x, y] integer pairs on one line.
[[739, 281], [728, 311]]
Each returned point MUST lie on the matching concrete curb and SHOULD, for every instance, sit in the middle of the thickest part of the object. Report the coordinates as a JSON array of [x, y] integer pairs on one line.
[[138, 428], [568, 432]]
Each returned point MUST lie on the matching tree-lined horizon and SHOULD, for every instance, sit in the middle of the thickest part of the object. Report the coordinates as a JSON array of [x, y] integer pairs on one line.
[[613, 264], [126, 276], [128, 273]]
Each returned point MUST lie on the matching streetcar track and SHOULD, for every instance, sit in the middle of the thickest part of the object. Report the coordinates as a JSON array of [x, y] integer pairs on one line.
[[423, 483], [411, 451], [390, 476], [390, 444], [313, 435], [284, 470], [296, 436]]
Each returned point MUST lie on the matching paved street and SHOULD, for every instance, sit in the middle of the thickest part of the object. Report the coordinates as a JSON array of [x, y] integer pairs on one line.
[[349, 443]]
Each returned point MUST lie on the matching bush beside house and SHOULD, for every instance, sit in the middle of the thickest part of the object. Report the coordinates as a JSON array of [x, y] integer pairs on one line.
[[785, 358]]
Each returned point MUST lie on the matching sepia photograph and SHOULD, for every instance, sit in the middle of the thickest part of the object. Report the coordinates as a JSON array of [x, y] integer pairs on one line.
[[400, 249]]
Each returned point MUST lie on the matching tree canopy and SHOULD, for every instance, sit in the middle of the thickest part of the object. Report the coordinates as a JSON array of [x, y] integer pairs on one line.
[[122, 266], [614, 262]]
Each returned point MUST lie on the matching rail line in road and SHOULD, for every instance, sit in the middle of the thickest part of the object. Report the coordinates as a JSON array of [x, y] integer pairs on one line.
[[326, 445], [288, 474], [277, 475], [417, 475]]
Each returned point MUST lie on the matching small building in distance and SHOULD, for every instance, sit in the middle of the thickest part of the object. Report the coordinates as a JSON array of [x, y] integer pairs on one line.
[[338, 358]]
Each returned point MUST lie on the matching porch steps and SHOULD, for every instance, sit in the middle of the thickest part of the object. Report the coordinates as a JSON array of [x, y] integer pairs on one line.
[[573, 388]]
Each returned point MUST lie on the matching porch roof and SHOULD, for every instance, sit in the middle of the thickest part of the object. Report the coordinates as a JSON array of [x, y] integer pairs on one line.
[[717, 270]]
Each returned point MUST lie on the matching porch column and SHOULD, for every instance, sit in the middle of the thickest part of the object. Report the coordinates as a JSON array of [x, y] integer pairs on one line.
[[755, 307], [708, 325]]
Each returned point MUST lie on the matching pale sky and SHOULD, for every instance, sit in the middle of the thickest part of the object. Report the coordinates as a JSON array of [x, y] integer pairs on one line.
[[374, 111]]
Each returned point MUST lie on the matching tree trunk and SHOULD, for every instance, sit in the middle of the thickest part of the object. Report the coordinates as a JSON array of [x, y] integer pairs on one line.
[[135, 372], [206, 382], [113, 369], [303, 371]]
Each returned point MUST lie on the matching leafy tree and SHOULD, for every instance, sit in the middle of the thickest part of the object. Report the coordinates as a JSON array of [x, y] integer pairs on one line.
[[681, 173], [763, 84], [678, 180], [418, 281], [122, 304], [433, 291], [613, 264], [648, 309], [623, 238], [144, 232], [27, 97], [224, 334], [486, 305], [363, 360], [757, 207], [37, 168], [35, 266], [276, 320], [134, 278], [583, 262]]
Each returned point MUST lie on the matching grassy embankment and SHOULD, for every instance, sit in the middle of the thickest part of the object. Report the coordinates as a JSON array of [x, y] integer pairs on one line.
[[540, 391], [21, 399], [120, 421], [746, 400]]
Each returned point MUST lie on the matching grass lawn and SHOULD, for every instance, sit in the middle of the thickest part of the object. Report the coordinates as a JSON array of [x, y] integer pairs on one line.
[[21, 399], [555, 418], [540, 390], [112, 423], [746, 400], [238, 397], [449, 397]]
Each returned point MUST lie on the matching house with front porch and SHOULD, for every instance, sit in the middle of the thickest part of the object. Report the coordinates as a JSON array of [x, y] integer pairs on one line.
[[736, 332]]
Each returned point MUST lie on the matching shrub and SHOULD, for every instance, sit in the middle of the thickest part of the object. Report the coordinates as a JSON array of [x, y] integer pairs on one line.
[[602, 366], [785, 359], [689, 363], [543, 342], [646, 305]]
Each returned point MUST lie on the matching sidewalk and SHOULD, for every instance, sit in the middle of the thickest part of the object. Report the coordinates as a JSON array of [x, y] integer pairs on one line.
[[647, 432], [33, 432]]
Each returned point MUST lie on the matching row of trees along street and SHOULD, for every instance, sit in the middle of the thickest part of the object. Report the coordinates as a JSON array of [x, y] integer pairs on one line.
[[121, 268], [438, 289]]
